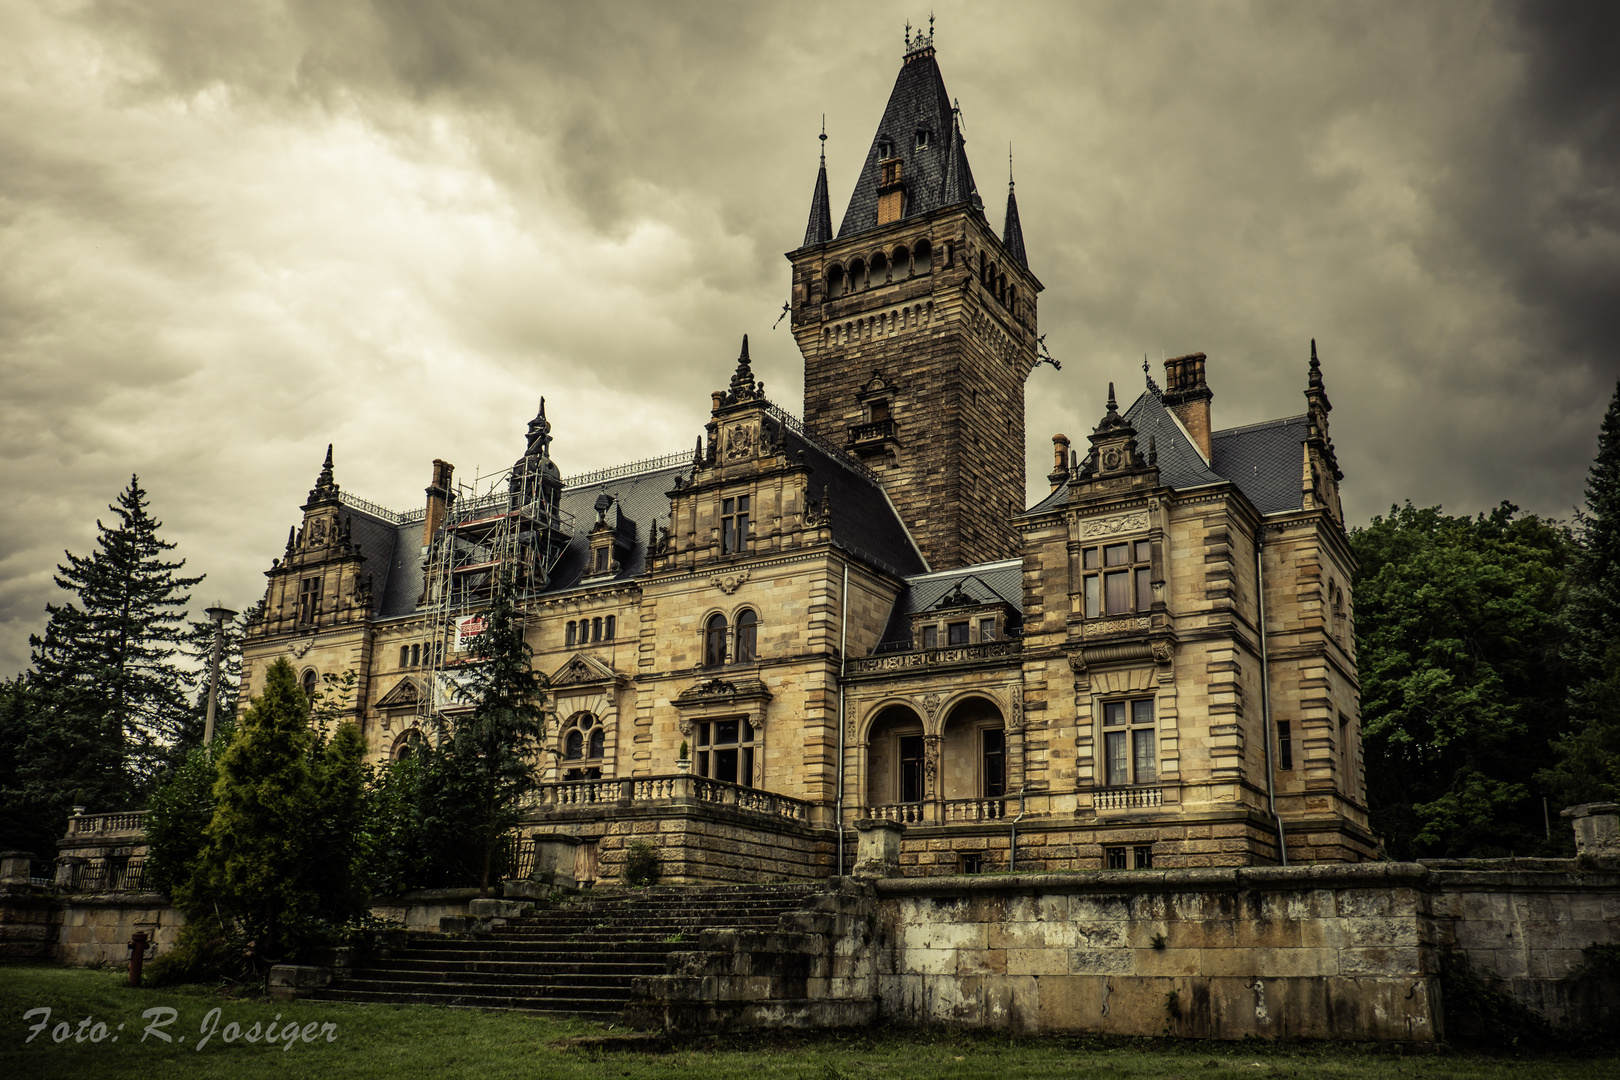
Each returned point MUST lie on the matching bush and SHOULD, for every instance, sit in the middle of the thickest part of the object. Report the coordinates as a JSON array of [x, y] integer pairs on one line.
[[641, 867], [205, 952]]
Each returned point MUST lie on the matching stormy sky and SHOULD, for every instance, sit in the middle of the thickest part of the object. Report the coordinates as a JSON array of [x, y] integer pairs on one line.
[[233, 233]]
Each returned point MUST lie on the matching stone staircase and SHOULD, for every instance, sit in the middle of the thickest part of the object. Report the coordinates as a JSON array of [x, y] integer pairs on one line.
[[576, 958]]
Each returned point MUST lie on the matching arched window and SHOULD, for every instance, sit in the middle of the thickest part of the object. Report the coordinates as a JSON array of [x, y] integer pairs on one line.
[[409, 744], [596, 629], [416, 655], [584, 744], [902, 262], [880, 268], [857, 276], [836, 281], [922, 260], [573, 633], [747, 636], [714, 641], [311, 680], [607, 628], [404, 656]]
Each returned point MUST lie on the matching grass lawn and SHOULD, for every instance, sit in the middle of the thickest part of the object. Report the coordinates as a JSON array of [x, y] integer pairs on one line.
[[444, 1044]]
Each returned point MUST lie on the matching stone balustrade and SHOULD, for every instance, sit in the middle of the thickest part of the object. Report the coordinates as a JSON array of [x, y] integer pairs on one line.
[[954, 656], [652, 790], [1129, 798], [133, 821]]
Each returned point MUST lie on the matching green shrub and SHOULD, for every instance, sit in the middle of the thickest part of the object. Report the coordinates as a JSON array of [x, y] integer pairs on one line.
[[206, 952], [641, 867]]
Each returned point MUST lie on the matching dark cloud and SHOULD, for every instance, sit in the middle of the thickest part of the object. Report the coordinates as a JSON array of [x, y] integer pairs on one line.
[[231, 233]]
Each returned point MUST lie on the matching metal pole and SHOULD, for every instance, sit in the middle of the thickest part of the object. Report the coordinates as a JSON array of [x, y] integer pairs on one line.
[[843, 653], [219, 613]]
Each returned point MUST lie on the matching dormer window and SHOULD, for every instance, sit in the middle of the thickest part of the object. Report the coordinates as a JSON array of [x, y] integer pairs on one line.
[[885, 149], [922, 138], [733, 525]]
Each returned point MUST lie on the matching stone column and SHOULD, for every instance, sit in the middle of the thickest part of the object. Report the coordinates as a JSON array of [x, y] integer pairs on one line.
[[1597, 829], [877, 853], [14, 866]]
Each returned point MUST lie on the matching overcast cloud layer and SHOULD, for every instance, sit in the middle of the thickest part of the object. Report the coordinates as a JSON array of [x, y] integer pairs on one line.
[[231, 233]]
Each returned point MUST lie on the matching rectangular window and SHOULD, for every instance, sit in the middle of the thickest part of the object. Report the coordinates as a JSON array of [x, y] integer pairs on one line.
[[987, 629], [573, 633], [930, 637], [1130, 743], [1285, 745], [1116, 858], [1126, 583], [726, 751], [995, 764], [972, 862], [957, 633], [404, 656], [309, 599], [596, 629], [911, 768], [416, 656], [603, 559], [1144, 856], [733, 525], [607, 628]]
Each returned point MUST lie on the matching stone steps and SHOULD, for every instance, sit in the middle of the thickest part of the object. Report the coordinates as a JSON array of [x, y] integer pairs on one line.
[[576, 958]]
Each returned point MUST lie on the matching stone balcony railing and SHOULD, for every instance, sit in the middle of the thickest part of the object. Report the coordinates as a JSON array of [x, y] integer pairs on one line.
[[952, 656], [871, 431], [88, 825], [941, 812], [1138, 798], [622, 792]]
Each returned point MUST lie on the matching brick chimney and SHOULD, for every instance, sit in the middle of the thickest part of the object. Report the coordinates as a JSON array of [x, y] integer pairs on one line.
[[438, 498], [1060, 461], [1187, 395]]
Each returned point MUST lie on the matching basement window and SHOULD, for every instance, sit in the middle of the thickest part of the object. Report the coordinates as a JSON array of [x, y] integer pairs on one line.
[[970, 862], [1114, 858], [1143, 855]]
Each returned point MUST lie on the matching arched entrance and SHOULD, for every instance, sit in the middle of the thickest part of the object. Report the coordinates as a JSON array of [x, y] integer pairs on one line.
[[973, 762], [896, 781]]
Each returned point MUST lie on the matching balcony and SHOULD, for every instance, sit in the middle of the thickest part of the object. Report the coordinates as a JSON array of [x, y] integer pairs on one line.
[[985, 652], [620, 792], [941, 812], [1141, 798], [873, 437]]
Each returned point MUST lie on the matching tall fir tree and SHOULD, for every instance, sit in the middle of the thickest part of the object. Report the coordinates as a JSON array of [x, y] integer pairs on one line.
[[105, 696], [1588, 749]]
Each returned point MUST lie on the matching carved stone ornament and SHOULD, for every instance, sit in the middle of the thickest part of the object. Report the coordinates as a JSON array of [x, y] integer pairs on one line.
[[742, 441], [1113, 526], [930, 706], [1112, 458], [1015, 715], [729, 583], [930, 763], [317, 532], [1161, 652], [299, 648], [685, 725]]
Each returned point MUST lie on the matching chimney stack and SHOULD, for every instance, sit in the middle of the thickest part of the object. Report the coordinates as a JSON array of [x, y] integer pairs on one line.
[[1060, 461], [1187, 395], [438, 498]]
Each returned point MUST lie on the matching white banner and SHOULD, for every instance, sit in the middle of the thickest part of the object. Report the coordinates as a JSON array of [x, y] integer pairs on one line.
[[467, 629]]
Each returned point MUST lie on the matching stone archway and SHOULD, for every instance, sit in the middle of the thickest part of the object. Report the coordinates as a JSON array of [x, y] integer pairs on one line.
[[895, 758], [973, 759]]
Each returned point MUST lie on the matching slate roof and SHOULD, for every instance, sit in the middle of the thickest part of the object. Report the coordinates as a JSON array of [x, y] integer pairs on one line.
[[1263, 460], [1012, 233], [936, 175], [819, 228], [864, 523], [986, 583]]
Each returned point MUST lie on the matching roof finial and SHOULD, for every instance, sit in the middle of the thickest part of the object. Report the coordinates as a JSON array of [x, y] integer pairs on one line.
[[908, 32], [743, 386], [823, 137], [1009, 167], [1316, 367], [1113, 406]]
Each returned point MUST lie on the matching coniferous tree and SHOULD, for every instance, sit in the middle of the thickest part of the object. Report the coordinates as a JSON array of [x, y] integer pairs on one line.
[[280, 855], [474, 779], [109, 695], [1588, 765]]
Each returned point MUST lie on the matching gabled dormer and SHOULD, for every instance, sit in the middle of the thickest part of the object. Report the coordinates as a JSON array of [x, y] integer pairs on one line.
[[1115, 464], [318, 582]]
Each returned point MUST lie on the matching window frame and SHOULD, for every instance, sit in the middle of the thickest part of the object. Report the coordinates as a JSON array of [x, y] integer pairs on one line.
[[708, 746], [591, 733], [1098, 573], [716, 629], [734, 524], [1133, 734], [745, 636]]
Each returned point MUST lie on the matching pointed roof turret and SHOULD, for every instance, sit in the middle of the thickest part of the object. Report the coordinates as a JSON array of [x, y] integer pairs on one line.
[[743, 385], [326, 488], [819, 230], [920, 132], [1012, 233]]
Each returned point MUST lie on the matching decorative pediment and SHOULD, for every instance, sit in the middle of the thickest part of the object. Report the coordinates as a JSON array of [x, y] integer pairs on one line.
[[582, 670], [723, 691], [876, 386], [405, 694]]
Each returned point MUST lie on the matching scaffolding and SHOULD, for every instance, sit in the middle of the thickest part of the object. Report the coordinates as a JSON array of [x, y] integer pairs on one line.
[[509, 522]]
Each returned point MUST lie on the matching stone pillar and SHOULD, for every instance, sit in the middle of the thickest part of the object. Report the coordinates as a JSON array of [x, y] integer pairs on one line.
[[554, 856], [1597, 829], [14, 866], [877, 853], [67, 868]]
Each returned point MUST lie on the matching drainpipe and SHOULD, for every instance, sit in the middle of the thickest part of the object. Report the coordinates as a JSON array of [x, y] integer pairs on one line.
[[843, 659], [1265, 700]]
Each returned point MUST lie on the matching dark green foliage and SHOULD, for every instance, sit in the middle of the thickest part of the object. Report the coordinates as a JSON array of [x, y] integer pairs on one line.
[[206, 950], [181, 808], [1478, 1014], [107, 696], [280, 860], [641, 866], [482, 762], [1588, 750], [1459, 631]]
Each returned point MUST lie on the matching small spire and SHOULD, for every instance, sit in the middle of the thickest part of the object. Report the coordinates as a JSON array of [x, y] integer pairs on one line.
[[1153, 450], [1012, 231], [819, 229], [1113, 406], [697, 454], [325, 489], [1316, 368]]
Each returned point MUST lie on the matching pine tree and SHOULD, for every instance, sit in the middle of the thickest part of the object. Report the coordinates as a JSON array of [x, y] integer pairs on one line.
[[475, 778], [104, 671], [1588, 766], [279, 858]]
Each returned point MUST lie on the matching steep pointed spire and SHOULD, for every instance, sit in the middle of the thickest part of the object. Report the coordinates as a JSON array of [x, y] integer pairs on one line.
[[918, 144], [325, 489], [819, 230], [1316, 368], [1012, 233], [539, 433], [743, 385]]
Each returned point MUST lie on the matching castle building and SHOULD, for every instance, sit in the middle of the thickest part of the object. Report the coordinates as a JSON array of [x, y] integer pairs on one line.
[[854, 615]]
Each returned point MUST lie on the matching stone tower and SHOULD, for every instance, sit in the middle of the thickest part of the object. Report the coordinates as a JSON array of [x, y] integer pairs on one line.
[[917, 325]]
